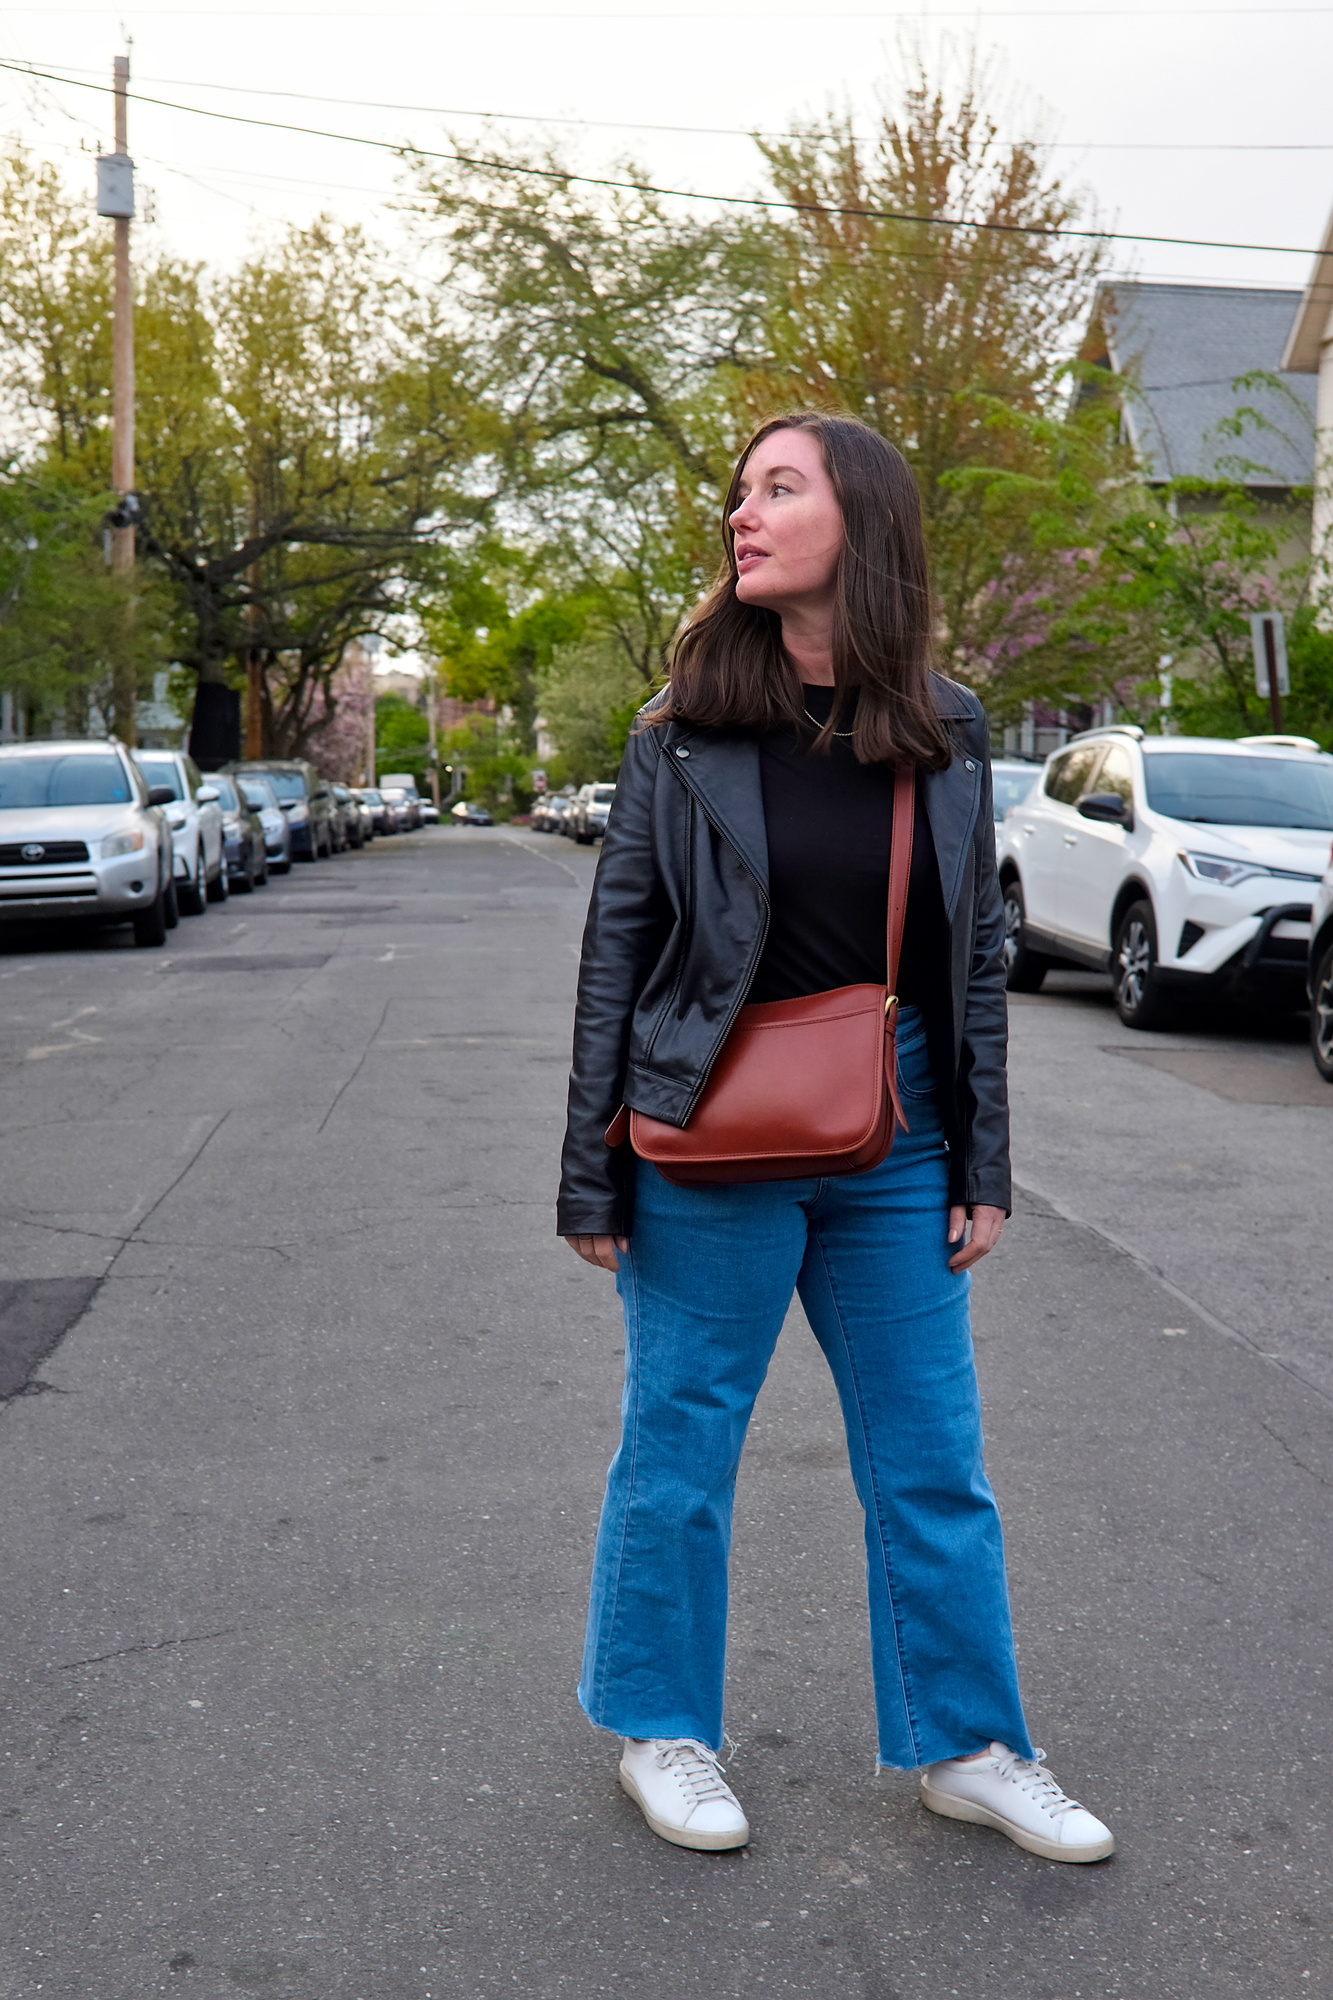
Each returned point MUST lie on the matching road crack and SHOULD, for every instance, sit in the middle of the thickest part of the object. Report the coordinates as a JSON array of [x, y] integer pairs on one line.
[[147, 1646]]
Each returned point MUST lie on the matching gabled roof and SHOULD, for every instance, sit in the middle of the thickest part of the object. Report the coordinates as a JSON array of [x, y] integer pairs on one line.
[[1179, 350], [1314, 319]]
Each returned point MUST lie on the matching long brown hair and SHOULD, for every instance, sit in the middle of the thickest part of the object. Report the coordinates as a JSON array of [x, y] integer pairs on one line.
[[729, 669]]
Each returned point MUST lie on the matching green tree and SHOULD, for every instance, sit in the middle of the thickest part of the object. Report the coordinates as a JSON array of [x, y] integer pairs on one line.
[[68, 622], [307, 432], [493, 629], [924, 287]]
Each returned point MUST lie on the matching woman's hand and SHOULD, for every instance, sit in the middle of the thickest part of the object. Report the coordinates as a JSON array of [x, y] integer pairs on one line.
[[986, 1226], [599, 1250]]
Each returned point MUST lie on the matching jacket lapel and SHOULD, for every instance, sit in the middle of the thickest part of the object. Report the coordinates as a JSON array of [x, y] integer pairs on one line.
[[722, 772]]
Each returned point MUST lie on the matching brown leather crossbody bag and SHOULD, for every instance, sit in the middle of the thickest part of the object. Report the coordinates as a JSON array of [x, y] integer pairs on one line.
[[802, 1088]]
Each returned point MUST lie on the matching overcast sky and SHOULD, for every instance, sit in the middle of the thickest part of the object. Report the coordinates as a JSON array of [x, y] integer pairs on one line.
[[1206, 122]]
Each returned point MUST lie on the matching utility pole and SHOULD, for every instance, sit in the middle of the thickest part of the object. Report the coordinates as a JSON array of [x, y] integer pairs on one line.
[[115, 197]]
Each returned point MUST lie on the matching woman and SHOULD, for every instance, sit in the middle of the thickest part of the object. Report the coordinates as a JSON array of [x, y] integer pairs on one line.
[[746, 859]]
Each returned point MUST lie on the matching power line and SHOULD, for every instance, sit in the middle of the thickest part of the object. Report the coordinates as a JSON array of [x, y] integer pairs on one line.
[[702, 14], [767, 202], [72, 72]]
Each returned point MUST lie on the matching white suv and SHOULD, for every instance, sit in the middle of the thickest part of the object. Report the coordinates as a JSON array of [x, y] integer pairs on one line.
[[1175, 863], [195, 819]]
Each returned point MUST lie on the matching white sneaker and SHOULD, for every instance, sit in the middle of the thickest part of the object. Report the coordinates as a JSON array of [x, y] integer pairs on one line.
[[680, 1788], [1017, 1797]]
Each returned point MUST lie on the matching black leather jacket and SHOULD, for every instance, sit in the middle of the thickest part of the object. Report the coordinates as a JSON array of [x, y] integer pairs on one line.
[[676, 927]]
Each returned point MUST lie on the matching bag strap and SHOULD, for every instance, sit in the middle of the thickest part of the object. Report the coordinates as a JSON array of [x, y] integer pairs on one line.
[[900, 870]]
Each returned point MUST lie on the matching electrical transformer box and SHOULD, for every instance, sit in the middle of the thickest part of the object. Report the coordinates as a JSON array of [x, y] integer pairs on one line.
[[115, 186]]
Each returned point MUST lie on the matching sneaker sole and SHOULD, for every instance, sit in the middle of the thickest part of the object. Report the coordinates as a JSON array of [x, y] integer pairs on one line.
[[681, 1836], [949, 1807]]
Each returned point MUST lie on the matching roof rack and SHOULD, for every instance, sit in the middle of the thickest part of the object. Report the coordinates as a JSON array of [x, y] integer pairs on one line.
[[1130, 729], [1282, 742]]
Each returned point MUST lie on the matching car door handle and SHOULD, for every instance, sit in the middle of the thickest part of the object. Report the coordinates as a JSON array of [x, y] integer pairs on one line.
[[1071, 840]]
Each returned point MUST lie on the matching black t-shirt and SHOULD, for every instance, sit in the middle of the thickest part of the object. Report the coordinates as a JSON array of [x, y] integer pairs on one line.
[[830, 828]]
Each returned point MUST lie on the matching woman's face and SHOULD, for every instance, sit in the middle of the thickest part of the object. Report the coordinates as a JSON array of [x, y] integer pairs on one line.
[[787, 525]]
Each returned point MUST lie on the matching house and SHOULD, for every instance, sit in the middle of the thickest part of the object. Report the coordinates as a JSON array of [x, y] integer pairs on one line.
[[1182, 360]]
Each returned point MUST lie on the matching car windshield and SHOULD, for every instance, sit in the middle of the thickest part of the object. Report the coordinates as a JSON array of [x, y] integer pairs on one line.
[[161, 771], [61, 779], [602, 795], [287, 784], [225, 789], [371, 797], [1240, 791], [257, 794], [1011, 788]]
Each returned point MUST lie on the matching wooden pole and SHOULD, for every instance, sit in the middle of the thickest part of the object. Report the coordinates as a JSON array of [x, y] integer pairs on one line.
[[125, 691]]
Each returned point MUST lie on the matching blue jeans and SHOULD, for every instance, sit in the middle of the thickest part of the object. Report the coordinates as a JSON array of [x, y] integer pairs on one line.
[[705, 1286]]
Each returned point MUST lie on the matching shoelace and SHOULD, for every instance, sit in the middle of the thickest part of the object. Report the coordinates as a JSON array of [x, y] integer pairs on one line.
[[1039, 1785], [696, 1769]]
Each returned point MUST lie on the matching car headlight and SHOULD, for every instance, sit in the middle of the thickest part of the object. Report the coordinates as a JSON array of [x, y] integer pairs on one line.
[[122, 843], [1228, 874]]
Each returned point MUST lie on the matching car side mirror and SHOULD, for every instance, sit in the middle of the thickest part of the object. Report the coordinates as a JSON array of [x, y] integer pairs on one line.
[[207, 795], [287, 805], [1108, 807], [160, 795]]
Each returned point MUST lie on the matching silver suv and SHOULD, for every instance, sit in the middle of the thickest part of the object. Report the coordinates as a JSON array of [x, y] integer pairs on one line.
[[1177, 864], [587, 817], [82, 835]]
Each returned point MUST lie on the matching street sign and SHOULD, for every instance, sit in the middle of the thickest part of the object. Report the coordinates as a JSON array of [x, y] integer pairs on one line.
[[539, 781], [1268, 643]]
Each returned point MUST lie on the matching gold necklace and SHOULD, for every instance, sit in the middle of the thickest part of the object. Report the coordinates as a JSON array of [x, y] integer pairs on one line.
[[819, 725]]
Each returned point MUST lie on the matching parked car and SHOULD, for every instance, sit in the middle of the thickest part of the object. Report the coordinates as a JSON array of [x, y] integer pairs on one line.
[[403, 808], [403, 782], [1320, 979], [382, 817], [1181, 865], [260, 796], [549, 810], [195, 818], [243, 840], [468, 813], [303, 796], [1012, 782], [83, 835], [350, 830], [429, 811], [586, 819]]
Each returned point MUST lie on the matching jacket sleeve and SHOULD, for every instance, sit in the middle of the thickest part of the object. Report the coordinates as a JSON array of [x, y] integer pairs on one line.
[[983, 1081], [629, 919]]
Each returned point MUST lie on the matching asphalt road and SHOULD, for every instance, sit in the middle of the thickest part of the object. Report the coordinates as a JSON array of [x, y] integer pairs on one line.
[[298, 1510]]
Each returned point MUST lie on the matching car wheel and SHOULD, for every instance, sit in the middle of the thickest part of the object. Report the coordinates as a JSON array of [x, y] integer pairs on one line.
[[246, 883], [170, 907], [1024, 969], [1139, 999], [261, 879], [220, 887], [312, 852], [1321, 1015], [150, 925], [193, 896]]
